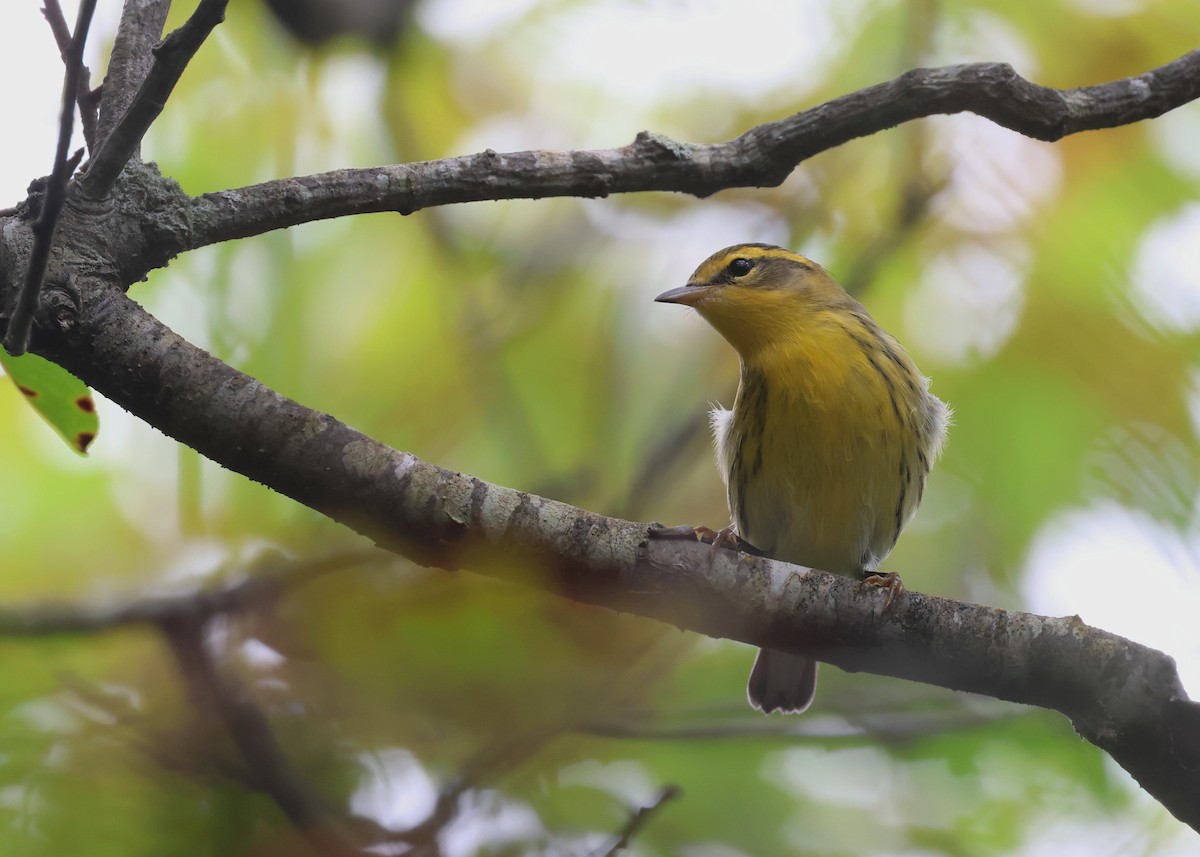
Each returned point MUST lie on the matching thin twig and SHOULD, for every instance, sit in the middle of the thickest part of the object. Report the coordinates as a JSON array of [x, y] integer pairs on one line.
[[263, 580], [885, 726], [54, 16], [637, 820], [84, 96], [503, 755], [16, 339], [251, 732], [171, 57]]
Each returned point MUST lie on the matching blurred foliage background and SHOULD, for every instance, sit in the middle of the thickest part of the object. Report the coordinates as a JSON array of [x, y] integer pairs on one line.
[[1051, 291]]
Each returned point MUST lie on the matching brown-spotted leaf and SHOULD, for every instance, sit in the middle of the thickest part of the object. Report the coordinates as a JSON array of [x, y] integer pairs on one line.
[[62, 399]]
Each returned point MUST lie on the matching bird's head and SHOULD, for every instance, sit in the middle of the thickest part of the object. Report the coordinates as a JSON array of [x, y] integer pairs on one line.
[[757, 295]]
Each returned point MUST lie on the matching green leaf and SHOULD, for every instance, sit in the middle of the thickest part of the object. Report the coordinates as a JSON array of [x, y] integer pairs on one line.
[[62, 399]]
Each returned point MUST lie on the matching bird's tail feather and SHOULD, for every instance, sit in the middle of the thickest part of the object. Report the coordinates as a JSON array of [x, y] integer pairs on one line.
[[780, 682]]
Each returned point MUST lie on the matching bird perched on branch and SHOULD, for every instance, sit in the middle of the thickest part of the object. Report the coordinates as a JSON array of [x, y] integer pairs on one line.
[[832, 434]]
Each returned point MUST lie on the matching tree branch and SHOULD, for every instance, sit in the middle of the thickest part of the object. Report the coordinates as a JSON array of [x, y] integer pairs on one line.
[[873, 728], [251, 732], [762, 157], [84, 96], [503, 755], [638, 819], [16, 338], [261, 581], [139, 30], [1123, 697], [171, 57]]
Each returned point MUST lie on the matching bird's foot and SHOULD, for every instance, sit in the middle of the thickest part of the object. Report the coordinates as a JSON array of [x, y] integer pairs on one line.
[[658, 531], [889, 581], [726, 537]]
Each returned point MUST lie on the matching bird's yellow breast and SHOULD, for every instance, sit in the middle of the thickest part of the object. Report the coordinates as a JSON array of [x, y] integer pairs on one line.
[[828, 444]]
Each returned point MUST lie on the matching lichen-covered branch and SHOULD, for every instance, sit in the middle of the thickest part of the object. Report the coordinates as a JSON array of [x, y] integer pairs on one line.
[[1123, 697], [762, 157]]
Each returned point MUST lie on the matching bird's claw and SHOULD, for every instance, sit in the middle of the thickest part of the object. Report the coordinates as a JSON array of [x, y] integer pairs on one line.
[[725, 537], [888, 580]]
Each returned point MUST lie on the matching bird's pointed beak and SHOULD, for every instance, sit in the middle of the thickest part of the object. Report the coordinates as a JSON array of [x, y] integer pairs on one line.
[[686, 295]]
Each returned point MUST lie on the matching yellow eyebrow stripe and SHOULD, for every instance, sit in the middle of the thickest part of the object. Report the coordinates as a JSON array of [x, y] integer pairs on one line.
[[717, 263], [753, 252]]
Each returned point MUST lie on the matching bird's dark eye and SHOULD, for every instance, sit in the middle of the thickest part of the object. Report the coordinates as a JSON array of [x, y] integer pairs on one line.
[[740, 267]]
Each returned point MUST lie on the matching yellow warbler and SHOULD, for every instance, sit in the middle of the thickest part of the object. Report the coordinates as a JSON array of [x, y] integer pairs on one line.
[[832, 434]]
